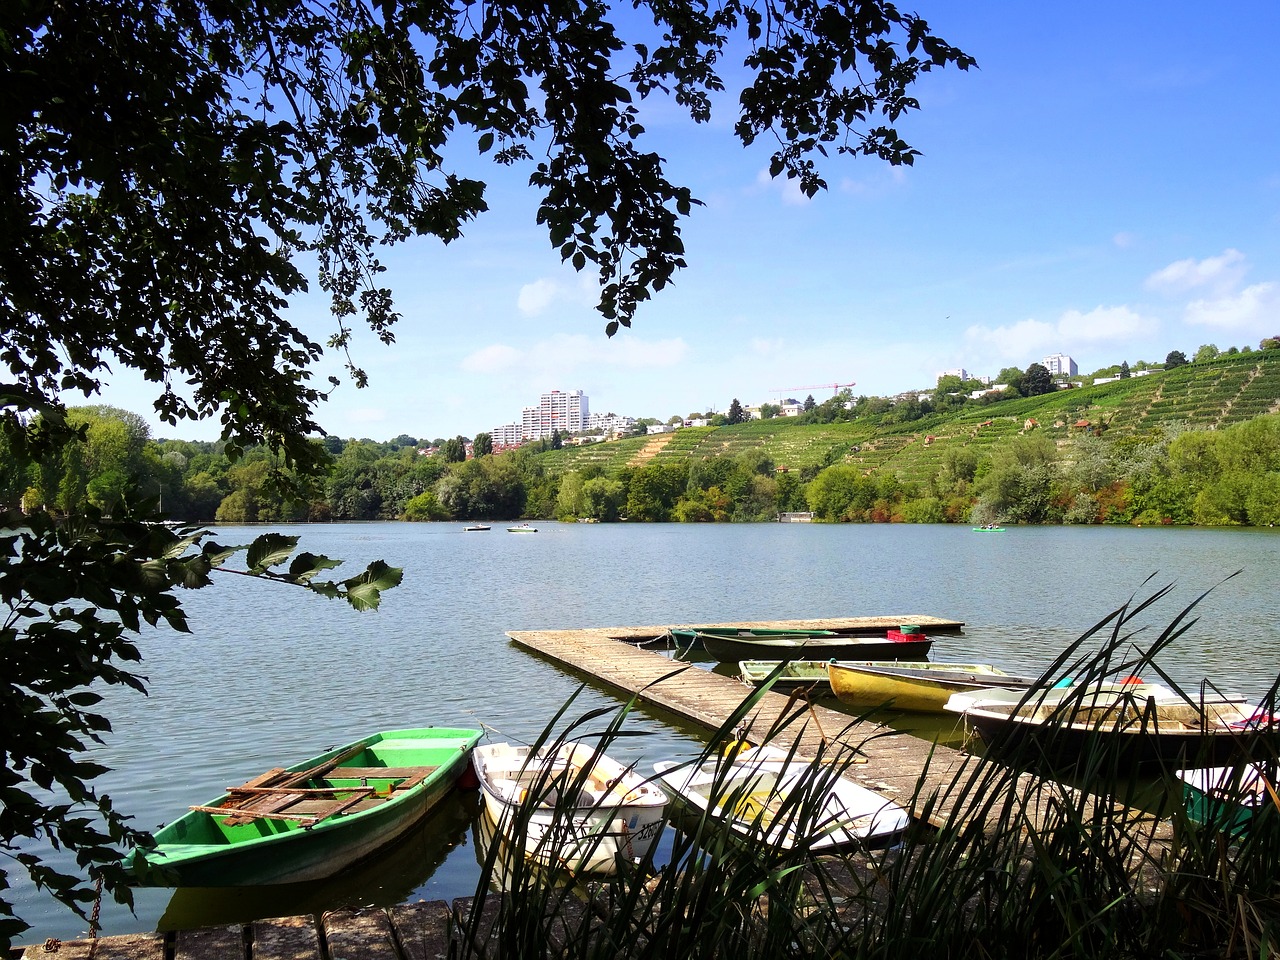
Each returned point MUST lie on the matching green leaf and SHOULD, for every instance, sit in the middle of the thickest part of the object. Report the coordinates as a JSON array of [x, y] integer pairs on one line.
[[365, 591], [306, 565], [269, 550]]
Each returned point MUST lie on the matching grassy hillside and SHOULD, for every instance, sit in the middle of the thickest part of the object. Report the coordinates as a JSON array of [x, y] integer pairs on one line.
[[1201, 396]]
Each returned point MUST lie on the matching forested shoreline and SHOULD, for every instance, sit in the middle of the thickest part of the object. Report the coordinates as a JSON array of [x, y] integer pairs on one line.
[[1175, 475]]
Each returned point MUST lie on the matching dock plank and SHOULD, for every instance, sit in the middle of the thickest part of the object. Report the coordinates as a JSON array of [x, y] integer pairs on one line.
[[135, 946], [210, 943], [422, 929], [363, 934], [286, 938]]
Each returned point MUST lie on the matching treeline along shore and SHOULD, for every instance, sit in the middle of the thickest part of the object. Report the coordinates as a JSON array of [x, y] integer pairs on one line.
[[1197, 444]]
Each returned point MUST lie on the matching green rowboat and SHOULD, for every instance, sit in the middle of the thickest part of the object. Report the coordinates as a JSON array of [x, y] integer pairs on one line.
[[802, 674], [311, 820]]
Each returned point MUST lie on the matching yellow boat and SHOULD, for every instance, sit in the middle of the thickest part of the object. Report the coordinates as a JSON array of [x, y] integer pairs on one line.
[[918, 686]]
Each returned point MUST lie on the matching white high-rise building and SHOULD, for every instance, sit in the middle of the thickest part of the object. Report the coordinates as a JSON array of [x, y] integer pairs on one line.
[[564, 410], [610, 423], [507, 435], [1060, 365]]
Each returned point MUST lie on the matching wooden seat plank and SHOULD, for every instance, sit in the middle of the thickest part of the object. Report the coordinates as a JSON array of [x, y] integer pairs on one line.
[[378, 773], [338, 806], [242, 818]]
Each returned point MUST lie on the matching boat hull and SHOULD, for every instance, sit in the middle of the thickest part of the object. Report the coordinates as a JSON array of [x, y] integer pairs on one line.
[[1140, 736], [1226, 797], [736, 649], [691, 637], [749, 796], [201, 849], [615, 813], [918, 687]]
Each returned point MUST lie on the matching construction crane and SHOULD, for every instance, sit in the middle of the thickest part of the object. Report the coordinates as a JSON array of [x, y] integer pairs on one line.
[[835, 387]]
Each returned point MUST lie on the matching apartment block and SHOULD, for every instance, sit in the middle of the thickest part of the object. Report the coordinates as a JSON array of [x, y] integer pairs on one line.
[[1060, 365]]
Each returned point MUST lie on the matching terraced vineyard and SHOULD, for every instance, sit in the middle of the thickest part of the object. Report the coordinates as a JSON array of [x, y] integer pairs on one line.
[[1201, 396]]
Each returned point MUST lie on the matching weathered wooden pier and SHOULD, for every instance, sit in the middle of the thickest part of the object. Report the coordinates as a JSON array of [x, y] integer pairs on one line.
[[622, 660]]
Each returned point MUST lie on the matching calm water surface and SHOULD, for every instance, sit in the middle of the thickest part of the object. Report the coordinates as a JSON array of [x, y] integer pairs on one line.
[[270, 675]]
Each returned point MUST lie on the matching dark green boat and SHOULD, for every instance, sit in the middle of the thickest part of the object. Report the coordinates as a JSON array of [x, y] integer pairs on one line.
[[311, 820], [692, 636]]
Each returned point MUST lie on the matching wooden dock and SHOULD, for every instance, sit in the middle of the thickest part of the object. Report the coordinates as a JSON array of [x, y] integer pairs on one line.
[[621, 659]]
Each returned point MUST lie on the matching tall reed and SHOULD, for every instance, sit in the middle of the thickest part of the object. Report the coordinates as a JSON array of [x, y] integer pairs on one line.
[[1022, 853]]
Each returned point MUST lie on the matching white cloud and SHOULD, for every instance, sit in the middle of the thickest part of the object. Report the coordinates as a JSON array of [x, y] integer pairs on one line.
[[1251, 310], [877, 183], [1018, 340], [563, 354], [1123, 239], [1219, 275], [1072, 331], [788, 188], [766, 347], [537, 297], [495, 358], [1105, 325]]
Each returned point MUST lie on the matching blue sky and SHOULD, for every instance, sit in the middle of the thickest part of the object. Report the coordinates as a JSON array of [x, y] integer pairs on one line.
[[1106, 184]]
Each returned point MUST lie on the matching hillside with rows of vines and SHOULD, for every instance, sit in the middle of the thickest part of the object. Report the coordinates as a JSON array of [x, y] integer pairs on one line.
[[1196, 396]]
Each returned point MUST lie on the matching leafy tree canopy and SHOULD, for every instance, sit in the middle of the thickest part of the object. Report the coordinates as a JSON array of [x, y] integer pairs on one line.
[[1175, 358], [1037, 380], [454, 450], [1207, 351], [172, 166]]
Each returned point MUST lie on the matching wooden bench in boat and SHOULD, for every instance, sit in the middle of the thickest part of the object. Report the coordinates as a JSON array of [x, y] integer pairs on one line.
[[408, 776], [280, 795]]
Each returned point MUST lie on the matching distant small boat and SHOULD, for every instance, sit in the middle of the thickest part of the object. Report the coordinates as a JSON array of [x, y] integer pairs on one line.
[[476, 528], [919, 686], [569, 805], [760, 795], [522, 528], [794, 674], [313, 819], [989, 528]]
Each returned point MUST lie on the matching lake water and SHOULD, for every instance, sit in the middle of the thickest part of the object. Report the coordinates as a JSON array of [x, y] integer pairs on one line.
[[271, 675]]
